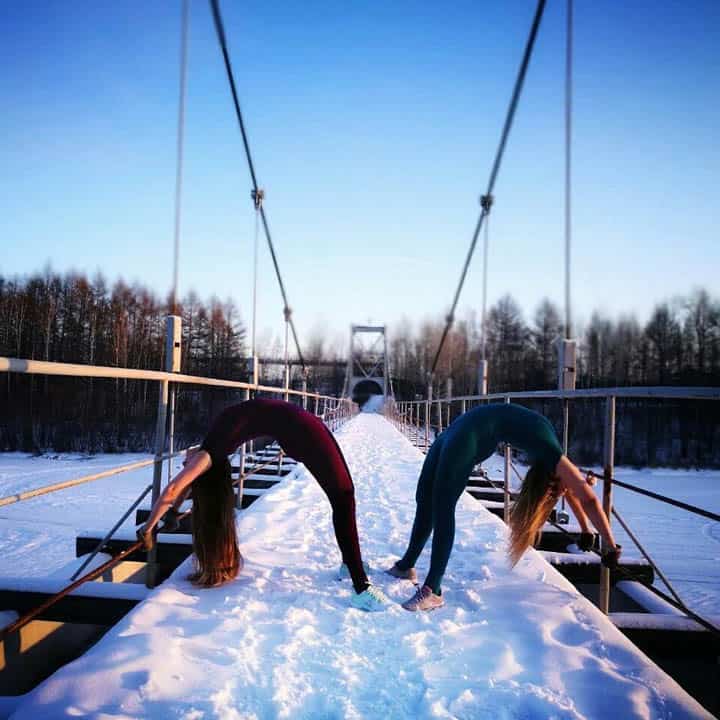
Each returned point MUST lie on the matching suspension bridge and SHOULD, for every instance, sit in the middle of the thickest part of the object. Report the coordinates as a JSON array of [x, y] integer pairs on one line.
[[558, 636]]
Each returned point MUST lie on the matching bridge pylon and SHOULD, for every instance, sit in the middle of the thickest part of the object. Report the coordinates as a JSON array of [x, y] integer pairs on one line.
[[367, 368]]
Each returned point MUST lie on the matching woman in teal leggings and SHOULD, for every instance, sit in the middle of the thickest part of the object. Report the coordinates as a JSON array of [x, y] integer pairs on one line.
[[470, 439]]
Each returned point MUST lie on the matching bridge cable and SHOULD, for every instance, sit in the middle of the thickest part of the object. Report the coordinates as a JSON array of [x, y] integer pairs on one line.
[[220, 29], [486, 200]]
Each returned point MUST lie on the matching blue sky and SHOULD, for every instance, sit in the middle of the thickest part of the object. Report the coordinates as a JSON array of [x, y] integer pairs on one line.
[[373, 129]]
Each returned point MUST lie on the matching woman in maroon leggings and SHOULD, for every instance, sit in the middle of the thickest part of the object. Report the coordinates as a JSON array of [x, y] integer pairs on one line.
[[303, 437]]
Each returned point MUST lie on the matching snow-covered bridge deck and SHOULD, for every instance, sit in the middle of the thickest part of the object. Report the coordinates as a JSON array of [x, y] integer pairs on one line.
[[282, 640]]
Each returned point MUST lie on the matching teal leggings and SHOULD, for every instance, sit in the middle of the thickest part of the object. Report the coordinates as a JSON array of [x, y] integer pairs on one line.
[[443, 478], [472, 438]]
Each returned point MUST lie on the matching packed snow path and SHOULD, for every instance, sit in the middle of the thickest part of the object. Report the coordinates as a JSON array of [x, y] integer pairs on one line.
[[282, 641]]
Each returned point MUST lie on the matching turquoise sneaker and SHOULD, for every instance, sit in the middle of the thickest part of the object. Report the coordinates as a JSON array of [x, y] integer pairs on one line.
[[372, 599], [343, 573]]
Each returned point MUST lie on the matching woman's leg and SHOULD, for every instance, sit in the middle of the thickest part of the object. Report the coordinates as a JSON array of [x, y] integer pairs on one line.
[[334, 477], [423, 523], [454, 468]]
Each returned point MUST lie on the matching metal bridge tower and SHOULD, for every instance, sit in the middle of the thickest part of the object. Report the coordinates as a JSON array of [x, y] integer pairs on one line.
[[367, 368]]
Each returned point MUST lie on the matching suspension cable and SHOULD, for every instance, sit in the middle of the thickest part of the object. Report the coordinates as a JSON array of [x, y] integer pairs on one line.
[[180, 147], [220, 29], [568, 166], [494, 173]]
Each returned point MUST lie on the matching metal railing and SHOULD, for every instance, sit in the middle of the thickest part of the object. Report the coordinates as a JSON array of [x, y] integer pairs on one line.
[[333, 410], [406, 415]]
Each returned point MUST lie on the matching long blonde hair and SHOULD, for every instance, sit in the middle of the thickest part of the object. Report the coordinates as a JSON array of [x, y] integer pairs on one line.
[[217, 555], [537, 498]]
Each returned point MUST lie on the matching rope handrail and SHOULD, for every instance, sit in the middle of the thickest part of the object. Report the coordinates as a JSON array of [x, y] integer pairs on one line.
[[487, 201]]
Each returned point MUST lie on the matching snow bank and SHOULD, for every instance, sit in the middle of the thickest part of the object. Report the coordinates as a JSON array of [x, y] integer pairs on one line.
[[282, 642]]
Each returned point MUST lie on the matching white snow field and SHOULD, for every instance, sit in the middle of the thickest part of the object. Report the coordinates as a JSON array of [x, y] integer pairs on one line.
[[282, 641]]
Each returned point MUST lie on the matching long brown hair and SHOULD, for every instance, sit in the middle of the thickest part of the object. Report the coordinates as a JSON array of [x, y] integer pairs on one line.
[[215, 543], [537, 498]]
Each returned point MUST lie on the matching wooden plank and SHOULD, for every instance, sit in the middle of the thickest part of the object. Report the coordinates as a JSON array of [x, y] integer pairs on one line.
[[72, 608]]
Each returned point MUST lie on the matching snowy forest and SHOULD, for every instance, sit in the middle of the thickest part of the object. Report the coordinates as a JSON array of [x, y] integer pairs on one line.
[[70, 318]]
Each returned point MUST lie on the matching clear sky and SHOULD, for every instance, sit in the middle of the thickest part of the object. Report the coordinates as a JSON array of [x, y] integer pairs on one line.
[[373, 128]]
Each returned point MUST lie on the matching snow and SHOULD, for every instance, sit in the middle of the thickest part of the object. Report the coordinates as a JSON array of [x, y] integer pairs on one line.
[[648, 599], [374, 404], [653, 621], [38, 536], [282, 642]]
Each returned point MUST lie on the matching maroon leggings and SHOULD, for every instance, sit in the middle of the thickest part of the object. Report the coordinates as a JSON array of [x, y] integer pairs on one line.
[[305, 438]]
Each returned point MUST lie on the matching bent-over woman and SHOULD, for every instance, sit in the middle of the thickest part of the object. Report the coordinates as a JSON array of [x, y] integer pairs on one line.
[[470, 439], [207, 475]]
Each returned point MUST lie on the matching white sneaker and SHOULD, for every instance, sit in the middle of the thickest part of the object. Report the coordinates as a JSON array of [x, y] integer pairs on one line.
[[343, 573], [372, 599], [424, 599]]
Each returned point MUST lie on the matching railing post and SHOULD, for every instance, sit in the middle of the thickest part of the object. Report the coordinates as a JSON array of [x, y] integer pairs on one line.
[[427, 416], [609, 469], [173, 344], [241, 466], [449, 395], [506, 484], [417, 423], [463, 406], [304, 392], [160, 429], [317, 403]]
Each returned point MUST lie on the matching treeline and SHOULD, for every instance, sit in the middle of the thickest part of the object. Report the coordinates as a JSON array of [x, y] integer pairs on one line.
[[678, 345], [69, 318]]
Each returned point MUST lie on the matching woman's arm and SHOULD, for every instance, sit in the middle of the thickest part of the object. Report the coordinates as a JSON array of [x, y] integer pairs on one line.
[[577, 508], [574, 482], [175, 492]]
